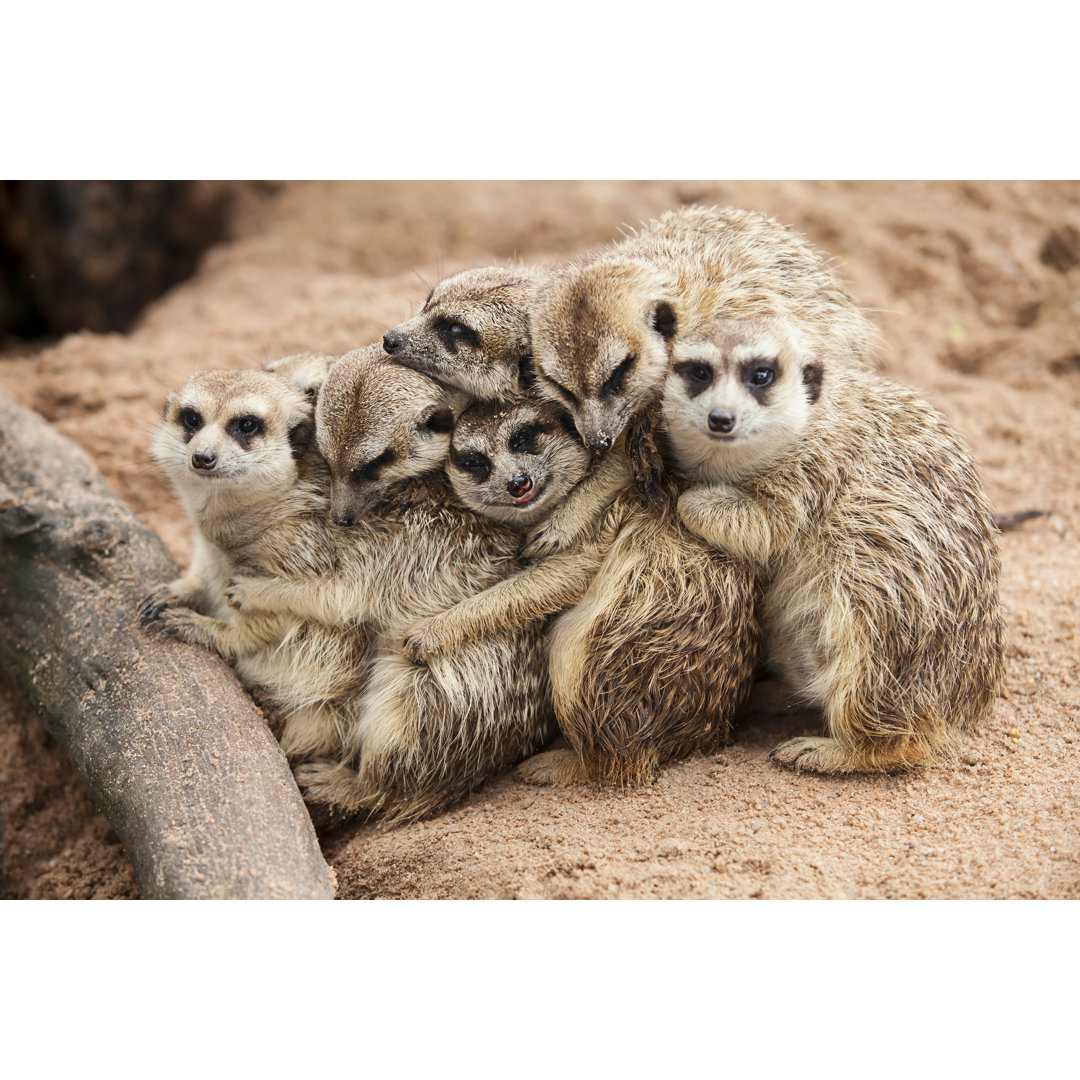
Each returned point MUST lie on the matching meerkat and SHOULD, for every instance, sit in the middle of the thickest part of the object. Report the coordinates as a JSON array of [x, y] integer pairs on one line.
[[602, 330], [235, 445], [862, 508], [472, 333], [659, 651], [472, 336], [419, 737]]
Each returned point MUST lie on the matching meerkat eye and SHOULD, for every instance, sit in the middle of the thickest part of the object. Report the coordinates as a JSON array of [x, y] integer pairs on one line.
[[696, 375], [455, 334], [523, 441], [616, 378], [249, 425], [563, 392], [371, 470], [759, 374], [190, 419], [478, 466]]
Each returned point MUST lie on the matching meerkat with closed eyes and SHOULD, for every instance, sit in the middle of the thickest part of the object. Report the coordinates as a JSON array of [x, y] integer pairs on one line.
[[419, 737], [659, 648], [603, 329], [863, 510], [235, 445], [472, 335]]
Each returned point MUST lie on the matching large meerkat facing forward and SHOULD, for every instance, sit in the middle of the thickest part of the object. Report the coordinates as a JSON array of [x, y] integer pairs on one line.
[[235, 446], [420, 737], [864, 511], [602, 330]]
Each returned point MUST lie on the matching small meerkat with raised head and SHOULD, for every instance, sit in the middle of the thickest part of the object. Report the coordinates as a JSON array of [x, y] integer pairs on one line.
[[235, 445], [472, 333], [658, 652], [863, 509], [419, 737], [602, 329]]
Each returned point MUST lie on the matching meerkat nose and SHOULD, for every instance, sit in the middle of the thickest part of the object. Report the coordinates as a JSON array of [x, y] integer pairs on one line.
[[600, 441], [392, 340], [204, 459], [721, 421], [520, 485]]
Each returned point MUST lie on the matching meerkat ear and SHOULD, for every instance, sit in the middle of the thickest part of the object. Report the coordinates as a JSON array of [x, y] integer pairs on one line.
[[813, 375], [300, 436], [441, 420], [663, 320]]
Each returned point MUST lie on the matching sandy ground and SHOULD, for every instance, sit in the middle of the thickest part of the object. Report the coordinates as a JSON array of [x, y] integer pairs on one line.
[[976, 289]]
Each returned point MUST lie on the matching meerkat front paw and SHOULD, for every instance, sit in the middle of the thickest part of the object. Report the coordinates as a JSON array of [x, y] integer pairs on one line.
[[554, 768], [547, 540], [183, 624], [159, 599], [424, 641]]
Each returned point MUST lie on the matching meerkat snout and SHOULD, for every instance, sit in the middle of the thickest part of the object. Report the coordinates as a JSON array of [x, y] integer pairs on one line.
[[393, 339], [519, 485], [721, 422], [203, 459]]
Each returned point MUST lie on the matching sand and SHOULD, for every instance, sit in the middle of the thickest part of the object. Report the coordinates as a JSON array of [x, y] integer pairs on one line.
[[976, 290]]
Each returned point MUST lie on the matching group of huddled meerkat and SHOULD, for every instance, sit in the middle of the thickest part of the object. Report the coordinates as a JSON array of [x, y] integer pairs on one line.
[[594, 500]]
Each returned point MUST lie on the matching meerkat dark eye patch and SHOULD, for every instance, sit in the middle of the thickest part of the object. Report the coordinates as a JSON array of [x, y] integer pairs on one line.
[[560, 389], [566, 422], [616, 379], [190, 421], [300, 436], [523, 441], [664, 321], [441, 420], [455, 334], [813, 376], [477, 465], [697, 376], [759, 375], [245, 428], [371, 470]]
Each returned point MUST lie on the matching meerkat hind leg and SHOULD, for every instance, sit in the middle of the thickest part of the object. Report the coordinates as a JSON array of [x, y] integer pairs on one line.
[[834, 757], [557, 768], [331, 783]]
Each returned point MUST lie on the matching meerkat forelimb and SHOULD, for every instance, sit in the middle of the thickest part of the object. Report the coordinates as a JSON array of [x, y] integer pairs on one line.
[[864, 512], [514, 462]]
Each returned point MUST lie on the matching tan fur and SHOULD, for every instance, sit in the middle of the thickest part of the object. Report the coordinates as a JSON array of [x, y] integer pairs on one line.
[[656, 656], [602, 329], [258, 510], [864, 510], [419, 737], [472, 334]]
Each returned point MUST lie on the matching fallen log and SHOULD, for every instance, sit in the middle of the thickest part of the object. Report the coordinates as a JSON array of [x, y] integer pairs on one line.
[[173, 750]]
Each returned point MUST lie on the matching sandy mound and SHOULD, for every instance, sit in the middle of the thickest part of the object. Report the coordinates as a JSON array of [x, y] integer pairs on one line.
[[976, 289]]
